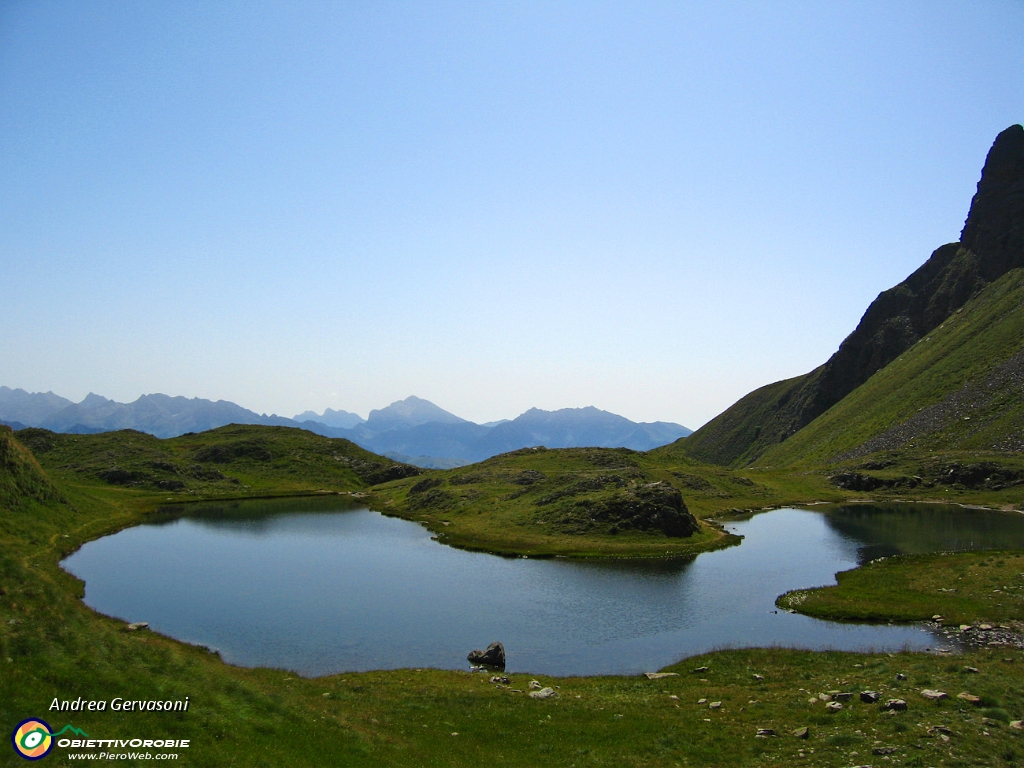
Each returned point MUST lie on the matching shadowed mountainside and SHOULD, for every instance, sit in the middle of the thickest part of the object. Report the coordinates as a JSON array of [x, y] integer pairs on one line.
[[991, 244], [21, 478]]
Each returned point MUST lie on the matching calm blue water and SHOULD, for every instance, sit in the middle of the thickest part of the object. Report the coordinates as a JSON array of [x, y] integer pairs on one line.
[[320, 592]]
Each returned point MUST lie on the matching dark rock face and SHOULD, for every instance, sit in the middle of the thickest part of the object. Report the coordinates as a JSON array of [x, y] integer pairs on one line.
[[199, 472], [991, 244], [995, 225], [377, 474], [855, 481], [656, 506], [118, 476], [982, 475], [494, 656]]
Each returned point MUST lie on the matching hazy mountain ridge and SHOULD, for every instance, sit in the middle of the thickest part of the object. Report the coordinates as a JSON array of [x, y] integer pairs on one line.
[[21, 406], [411, 428], [991, 244], [331, 418], [564, 428]]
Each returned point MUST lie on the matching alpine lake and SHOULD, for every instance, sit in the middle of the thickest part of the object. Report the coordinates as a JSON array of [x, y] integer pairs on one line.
[[321, 586]]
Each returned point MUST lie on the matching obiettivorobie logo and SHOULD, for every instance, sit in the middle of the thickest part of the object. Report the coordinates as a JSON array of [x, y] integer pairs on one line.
[[33, 739]]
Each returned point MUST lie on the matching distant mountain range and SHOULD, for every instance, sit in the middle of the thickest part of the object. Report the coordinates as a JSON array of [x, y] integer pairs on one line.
[[412, 430]]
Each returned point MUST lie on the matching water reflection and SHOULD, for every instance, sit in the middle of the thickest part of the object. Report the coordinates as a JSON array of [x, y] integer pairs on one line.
[[916, 529], [256, 516]]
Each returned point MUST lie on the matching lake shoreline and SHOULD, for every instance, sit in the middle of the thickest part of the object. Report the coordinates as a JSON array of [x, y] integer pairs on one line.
[[379, 717]]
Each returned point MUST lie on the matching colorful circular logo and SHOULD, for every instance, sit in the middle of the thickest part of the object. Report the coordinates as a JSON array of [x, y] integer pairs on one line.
[[32, 738]]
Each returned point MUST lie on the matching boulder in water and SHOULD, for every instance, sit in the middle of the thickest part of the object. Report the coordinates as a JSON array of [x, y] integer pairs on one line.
[[494, 656]]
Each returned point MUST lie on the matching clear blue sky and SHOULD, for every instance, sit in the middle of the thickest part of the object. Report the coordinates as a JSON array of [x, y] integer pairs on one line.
[[648, 207]]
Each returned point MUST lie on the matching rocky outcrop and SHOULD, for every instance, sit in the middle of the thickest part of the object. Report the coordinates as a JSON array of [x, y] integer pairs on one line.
[[651, 507], [225, 453], [981, 475]]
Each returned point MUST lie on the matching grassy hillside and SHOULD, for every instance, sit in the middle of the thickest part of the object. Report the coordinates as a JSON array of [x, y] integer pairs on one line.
[[990, 245], [760, 419], [892, 324], [236, 460], [588, 501], [21, 478], [571, 501], [584, 501], [957, 389]]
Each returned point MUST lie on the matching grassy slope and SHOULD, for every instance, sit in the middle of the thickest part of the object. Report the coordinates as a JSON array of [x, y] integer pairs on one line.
[[741, 433], [232, 461], [52, 645], [957, 389]]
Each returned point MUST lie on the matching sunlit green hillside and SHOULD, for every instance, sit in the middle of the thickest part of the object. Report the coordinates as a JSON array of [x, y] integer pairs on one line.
[[957, 389]]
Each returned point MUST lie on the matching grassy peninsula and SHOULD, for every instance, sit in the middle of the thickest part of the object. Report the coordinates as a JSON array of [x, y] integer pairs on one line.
[[961, 587]]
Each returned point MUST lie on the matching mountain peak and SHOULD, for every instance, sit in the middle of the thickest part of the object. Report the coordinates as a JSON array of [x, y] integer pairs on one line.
[[410, 412], [92, 400], [994, 229]]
